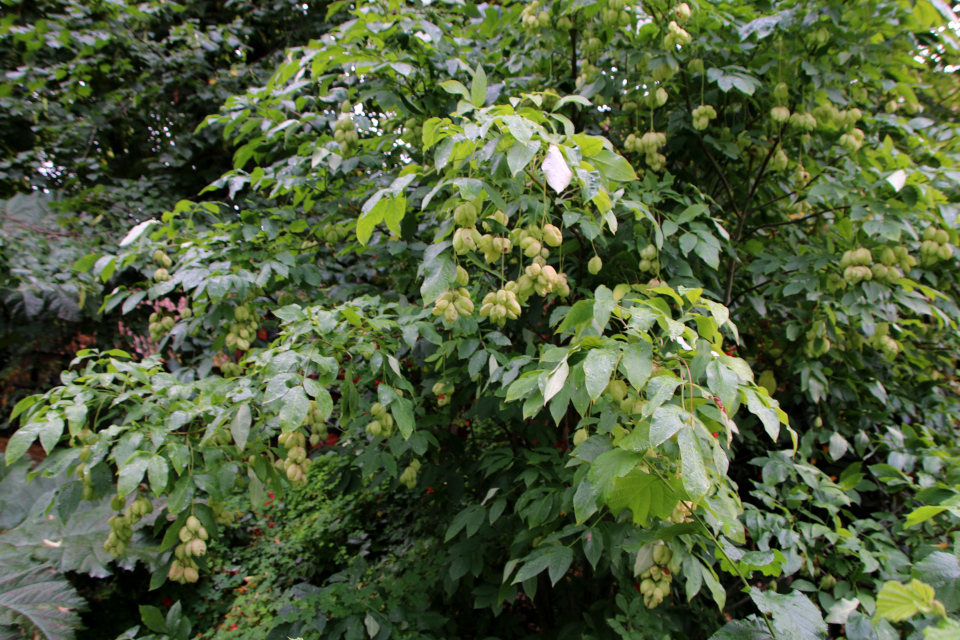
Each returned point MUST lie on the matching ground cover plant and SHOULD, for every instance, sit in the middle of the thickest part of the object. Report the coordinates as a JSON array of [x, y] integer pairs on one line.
[[570, 319]]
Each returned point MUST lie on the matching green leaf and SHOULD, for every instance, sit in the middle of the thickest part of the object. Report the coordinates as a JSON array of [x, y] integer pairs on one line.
[[470, 518], [455, 86], [131, 473], [294, 411], [922, 514], [560, 562], [580, 313], [402, 410], [897, 601], [609, 466], [942, 572], [647, 496], [614, 166], [520, 155], [534, 564], [153, 618], [439, 270], [478, 88], [598, 366], [665, 422], [36, 599], [182, 495], [695, 479], [240, 426], [371, 624], [372, 214], [794, 616]]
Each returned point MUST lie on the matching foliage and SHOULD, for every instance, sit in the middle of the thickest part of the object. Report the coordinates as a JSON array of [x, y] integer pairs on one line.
[[535, 290]]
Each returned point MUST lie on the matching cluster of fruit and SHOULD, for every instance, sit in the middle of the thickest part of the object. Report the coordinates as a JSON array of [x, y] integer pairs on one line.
[[648, 259], [121, 526], [296, 464], [444, 392], [162, 259], [452, 304], [160, 325], [564, 23], [493, 247], [231, 369], [615, 16], [702, 116], [780, 161], [221, 514], [382, 424], [681, 513], [855, 265], [87, 437], [676, 36], [532, 239], [882, 340], [780, 114], [533, 19], [409, 476], [655, 581], [193, 537], [803, 121], [935, 246], [345, 131], [502, 305], [333, 234], [827, 113], [317, 425], [161, 275], [817, 343], [852, 140], [412, 131], [648, 144], [244, 330]]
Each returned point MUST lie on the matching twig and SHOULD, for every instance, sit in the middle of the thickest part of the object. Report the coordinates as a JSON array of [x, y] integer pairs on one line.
[[26, 225]]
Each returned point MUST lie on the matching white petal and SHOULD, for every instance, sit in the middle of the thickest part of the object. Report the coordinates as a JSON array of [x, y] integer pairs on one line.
[[556, 170]]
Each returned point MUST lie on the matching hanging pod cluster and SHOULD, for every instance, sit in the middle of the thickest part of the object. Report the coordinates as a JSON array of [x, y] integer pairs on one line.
[[382, 424], [296, 464], [655, 581], [243, 332], [935, 246], [193, 537], [121, 526]]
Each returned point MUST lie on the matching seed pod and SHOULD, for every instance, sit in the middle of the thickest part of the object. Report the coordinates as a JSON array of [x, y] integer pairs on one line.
[[465, 215], [552, 235], [193, 524], [594, 265], [580, 437], [463, 278], [941, 236], [617, 390]]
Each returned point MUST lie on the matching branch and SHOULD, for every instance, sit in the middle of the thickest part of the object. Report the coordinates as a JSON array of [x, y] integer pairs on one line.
[[26, 225], [792, 220]]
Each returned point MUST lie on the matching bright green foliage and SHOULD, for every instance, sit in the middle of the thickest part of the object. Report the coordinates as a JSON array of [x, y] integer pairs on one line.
[[660, 294]]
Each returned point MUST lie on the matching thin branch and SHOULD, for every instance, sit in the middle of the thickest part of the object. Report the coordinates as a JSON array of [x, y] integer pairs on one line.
[[26, 225], [792, 220]]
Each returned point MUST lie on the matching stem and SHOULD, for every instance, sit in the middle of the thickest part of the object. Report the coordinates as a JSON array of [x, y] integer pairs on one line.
[[732, 564]]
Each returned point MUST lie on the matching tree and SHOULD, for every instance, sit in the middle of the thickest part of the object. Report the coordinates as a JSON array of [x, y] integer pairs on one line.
[[587, 295]]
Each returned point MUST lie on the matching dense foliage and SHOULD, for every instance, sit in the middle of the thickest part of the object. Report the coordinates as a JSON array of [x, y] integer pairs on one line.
[[570, 319]]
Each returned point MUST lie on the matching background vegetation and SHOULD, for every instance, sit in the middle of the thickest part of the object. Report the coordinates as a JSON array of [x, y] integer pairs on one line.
[[569, 319]]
